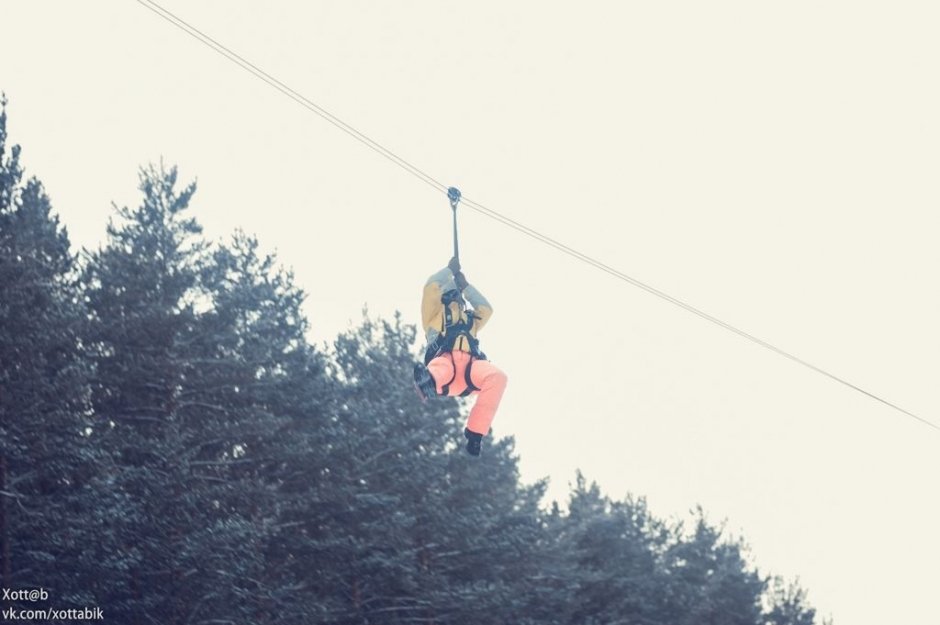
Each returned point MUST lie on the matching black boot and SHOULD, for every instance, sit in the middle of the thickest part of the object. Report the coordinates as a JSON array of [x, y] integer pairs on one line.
[[474, 442], [425, 385]]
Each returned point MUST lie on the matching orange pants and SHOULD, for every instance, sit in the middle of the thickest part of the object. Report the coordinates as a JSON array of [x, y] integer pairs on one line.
[[484, 375]]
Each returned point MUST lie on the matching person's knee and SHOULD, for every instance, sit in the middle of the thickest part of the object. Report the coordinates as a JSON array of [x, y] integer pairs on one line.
[[498, 379]]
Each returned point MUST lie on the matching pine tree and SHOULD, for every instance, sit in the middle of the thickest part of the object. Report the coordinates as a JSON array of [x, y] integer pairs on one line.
[[412, 528], [203, 365], [787, 605], [142, 289], [265, 392], [46, 455], [615, 549], [712, 582]]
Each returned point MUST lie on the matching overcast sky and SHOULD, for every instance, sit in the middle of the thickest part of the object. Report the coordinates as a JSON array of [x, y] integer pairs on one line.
[[773, 164]]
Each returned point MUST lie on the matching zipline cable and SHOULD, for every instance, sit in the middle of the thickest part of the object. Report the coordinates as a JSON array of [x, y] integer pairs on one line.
[[290, 93], [492, 214], [654, 291]]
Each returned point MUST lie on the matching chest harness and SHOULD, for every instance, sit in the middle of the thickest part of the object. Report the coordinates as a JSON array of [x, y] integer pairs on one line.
[[454, 328]]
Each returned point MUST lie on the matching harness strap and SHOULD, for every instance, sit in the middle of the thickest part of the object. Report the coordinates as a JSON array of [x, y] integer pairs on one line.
[[445, 389], [443, 343], [466, 374]]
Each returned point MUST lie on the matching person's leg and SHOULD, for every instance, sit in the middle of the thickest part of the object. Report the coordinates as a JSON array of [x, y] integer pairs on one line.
[[492, 382], [449, 368]]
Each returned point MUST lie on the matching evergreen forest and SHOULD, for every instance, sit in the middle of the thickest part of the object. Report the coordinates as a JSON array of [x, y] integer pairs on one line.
[[175, 450]]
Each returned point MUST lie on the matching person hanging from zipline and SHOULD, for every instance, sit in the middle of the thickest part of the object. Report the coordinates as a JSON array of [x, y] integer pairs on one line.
[[452, 314]]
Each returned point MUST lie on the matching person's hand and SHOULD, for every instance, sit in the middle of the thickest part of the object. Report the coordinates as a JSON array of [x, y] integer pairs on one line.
[[454, 265], [460, 280]]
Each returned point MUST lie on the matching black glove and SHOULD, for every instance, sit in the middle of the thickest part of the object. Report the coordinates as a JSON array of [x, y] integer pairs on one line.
[[454, 265], [460, 280]]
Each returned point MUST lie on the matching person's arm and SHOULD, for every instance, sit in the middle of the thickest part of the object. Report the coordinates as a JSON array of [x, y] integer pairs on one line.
[[440, 278], [482, 309], [431, 306]]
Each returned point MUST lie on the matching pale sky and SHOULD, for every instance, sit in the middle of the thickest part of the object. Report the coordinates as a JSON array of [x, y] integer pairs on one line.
[[773, 164]]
